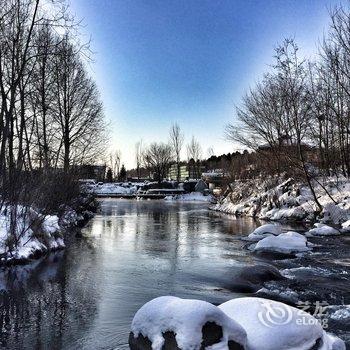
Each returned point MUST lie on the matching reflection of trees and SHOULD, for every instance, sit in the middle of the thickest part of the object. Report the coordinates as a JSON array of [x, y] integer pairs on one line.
[[48, 302]]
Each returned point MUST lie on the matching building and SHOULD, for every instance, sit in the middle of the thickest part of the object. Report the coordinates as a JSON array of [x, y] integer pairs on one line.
[[191, 170]]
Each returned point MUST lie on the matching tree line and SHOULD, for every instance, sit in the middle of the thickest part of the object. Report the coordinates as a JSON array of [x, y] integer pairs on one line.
[[51, 115], [298, 115], [157, 157]]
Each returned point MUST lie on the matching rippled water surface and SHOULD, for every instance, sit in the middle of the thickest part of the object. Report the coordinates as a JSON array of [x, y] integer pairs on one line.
[[85, 297]]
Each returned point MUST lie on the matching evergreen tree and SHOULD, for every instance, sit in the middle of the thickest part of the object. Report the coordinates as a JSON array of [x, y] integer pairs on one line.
[[122, 174], [109, 176]]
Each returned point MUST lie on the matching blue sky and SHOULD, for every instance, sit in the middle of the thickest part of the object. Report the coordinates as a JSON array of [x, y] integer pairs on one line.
[[189, 61]]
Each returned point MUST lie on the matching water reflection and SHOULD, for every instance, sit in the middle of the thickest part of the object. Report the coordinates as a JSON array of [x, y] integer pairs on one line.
[[44, 302]]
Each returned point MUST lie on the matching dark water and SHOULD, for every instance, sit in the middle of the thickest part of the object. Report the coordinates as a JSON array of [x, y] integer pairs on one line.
[[85, 297]]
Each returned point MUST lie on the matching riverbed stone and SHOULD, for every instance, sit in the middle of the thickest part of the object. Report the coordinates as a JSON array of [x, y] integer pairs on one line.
[[249, 279]]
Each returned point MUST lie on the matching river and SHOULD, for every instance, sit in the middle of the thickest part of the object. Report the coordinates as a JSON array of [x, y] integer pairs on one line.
[[132, 251]]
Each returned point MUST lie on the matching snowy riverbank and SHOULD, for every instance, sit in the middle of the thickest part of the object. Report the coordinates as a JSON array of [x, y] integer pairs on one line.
[[288, 200], [25, 233]]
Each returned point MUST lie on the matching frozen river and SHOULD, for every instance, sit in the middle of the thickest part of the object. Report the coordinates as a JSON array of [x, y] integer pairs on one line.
[[132, 251]]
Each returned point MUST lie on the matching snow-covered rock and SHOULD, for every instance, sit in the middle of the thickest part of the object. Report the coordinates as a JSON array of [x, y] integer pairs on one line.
[[288, 242], [185, 318], [264, 231], [322, 230], [346, 226], [271, 325]]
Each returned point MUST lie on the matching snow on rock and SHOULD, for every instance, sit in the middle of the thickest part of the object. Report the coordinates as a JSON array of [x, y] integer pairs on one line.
[[272, 325], [185, 318], [264, 231], [191, 197], [288, 242], [346, 226], [322, 230]]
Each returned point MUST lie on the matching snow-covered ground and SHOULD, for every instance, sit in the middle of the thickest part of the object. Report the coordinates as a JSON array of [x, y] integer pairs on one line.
[[253, 323], [191, 197], [275, 200], [33, 233], [25, 233]]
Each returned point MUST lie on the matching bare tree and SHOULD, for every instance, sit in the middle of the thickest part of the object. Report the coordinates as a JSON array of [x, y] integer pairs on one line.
[[49, 109], [194, 152], [114, 161], [40, 97], [210, 152], [78, 109], [138, 157], [157, 158], [176, 142]]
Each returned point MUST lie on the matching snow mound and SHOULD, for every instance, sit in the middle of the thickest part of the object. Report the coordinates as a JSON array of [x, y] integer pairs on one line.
[[288, 242], [265, 231], [322, 230], [185, 318], [271, 325]]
